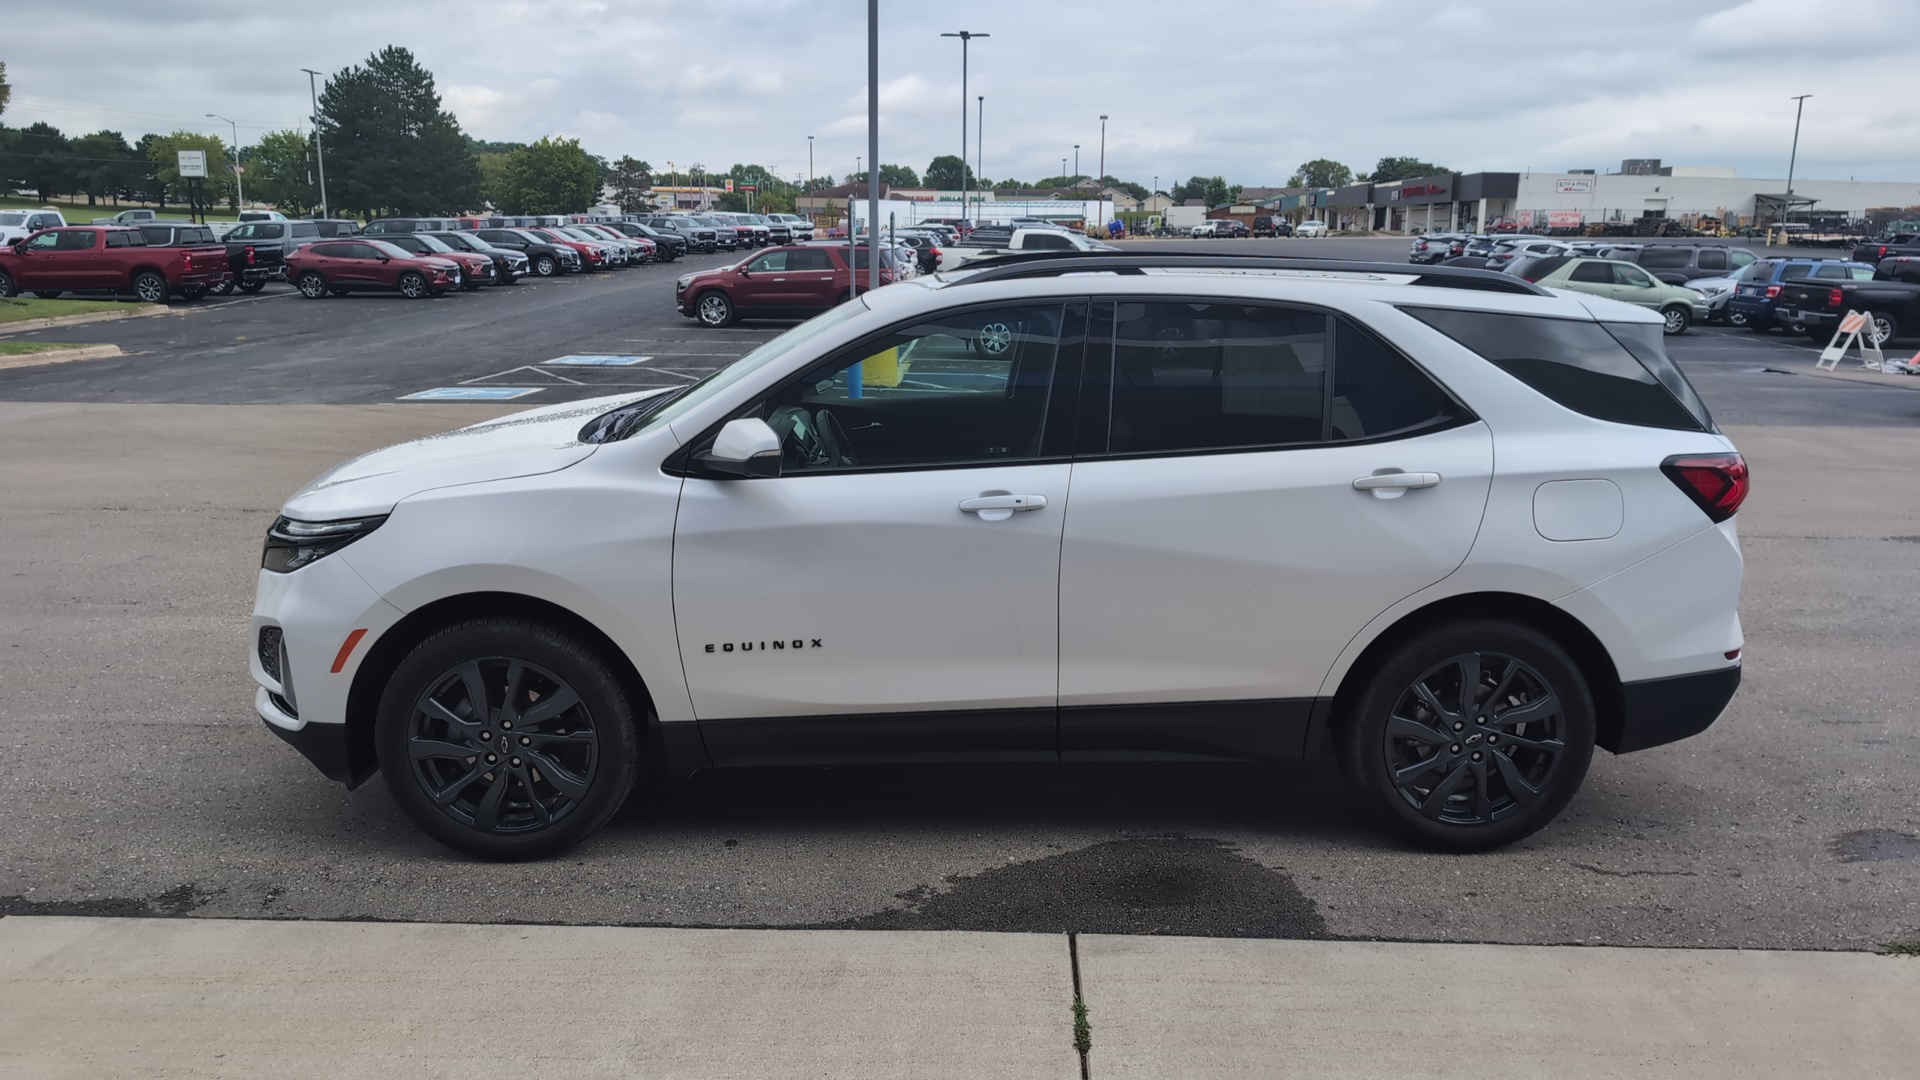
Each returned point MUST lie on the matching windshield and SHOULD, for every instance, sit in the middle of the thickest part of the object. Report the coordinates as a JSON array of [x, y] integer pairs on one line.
[[433, 243], [642, 415], [389, 249]]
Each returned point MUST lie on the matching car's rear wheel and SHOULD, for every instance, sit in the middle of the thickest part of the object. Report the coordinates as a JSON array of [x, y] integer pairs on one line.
[[47, 294], [335, 290], [252, 286], [150, 286], [224, 288], [413, 285], [1882, 327], [507, 739], [544, 265], [1676, 320], [1470, 735], [714, 309], [6, 284], [312, 285]]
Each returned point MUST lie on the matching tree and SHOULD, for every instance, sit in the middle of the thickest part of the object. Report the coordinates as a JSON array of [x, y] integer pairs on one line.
[[102, 163], [552, 176], [944, 173], [1194, 188], [6, 88], [390, 146], [631, 182], [1321, 172], [163, 151], [1217, 191], [1402, 168], [899, 176], [1138, 191], [42, 159], [281, 171]]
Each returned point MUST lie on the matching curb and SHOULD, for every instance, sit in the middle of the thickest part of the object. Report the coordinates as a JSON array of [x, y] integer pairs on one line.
[[60, 356], [90, 317], [1867, 378]]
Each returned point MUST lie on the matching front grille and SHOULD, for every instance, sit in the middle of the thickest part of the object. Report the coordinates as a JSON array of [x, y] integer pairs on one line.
[[270, 651]]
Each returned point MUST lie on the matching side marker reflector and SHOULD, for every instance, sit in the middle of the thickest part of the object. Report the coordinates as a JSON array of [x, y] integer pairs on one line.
[[1733, 654], [346, 649]]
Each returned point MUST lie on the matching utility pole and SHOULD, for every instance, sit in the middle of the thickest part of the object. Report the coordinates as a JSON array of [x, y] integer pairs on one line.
[[873, 144], [1799, 103], [240, 186], [319, 155], [1103, 150], [979, 147], [809, 162], [964, 36], [1076, 161]]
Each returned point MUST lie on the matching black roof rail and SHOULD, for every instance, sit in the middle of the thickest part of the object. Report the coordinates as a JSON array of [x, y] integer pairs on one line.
[[1032, 264]]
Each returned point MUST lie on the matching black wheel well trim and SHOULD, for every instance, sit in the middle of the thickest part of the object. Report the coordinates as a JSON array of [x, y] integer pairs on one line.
[[135, 272], [385, 654], [1596, 664]]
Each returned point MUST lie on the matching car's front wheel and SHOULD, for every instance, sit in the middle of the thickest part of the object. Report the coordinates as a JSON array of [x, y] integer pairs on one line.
[[413, 285], [1675, 320], [6, 284], [1882, 327], [312, 285], [1471, 735], [507, 739], [544, 266], [252, 285], [714, 309]]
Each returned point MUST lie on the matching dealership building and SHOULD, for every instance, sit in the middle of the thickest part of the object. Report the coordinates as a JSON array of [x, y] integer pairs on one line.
[[1469, 201]]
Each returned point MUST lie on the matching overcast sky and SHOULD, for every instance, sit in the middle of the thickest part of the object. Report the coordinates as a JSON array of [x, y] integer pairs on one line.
[[1244, 88]]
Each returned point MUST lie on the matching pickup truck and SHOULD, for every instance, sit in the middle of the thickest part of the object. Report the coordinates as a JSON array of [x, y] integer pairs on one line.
[[128, 217], [20, 224], [1888, 246], [988, 241], [89, 257], [257, 250], [1891, 300], [186, 234]]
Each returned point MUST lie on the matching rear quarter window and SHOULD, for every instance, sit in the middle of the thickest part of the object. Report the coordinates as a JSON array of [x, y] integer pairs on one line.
[[1609, 371], [1666, 258]]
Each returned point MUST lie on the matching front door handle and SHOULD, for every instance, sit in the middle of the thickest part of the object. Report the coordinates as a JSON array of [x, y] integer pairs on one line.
[[1392, 485], [1002, 507]]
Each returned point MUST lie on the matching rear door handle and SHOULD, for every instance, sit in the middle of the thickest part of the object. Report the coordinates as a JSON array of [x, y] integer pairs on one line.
[[1002, 507], [1389, 485]]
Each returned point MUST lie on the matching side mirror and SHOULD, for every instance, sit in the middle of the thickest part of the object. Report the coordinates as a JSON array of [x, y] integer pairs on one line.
[[745, 447], [16, 241]]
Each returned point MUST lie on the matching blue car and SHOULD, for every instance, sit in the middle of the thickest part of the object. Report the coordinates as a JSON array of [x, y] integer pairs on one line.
[[1758, 291]]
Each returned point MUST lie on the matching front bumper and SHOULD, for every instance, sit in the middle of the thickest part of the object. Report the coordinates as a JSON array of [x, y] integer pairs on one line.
[[325, 745]]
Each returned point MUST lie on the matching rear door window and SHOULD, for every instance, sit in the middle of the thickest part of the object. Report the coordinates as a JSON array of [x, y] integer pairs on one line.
[[1832, 272], [1592, 273], [1609, 371], [1378, 392], [1710, 259], [1216, 376]]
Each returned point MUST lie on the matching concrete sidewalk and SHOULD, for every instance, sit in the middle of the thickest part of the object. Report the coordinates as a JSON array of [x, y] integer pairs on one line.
[[164, 998]]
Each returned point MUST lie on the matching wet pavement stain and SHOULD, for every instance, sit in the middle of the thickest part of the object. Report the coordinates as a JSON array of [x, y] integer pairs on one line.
[[1875, 845], [1142, 885], [181, 900]]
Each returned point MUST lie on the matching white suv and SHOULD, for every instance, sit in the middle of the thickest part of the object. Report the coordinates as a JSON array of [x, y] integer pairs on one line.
[[1441, 524]]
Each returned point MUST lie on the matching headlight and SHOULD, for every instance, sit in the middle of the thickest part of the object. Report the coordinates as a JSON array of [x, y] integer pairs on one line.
[[683, 282], [293, 544]]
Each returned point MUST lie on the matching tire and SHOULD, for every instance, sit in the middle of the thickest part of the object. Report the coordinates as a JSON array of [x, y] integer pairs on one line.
[[544, 265], [224, 288], [192, 292], [1882, 327], [413, 286], [312, 285], [1678, 319], [6, 284], [253, 286], [1486, 803], [47, 294], [151, 287], [559, 778], [713, 309], [335, 290]]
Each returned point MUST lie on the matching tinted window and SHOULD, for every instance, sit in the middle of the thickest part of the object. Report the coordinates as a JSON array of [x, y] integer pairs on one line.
[[407, 243], [1046, 242], [1832, 272], [810, 259], [1762, 270], [1216, 376], [304, 228], [1377, 391], [1577, 364], [1898, 270], [1710, 259], [1597, 273], [124, 239], [967, 387], [1666, 258], [74, 240], [330, 251], [772, 260]]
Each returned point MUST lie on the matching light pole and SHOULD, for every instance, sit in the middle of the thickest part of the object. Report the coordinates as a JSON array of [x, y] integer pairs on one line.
[[979, 144], [318, 154], [809, 161], [1076, 161], [1063, 172], [1103, 150], [240, 186], [873, 144], [1799, 103], [964, 36]]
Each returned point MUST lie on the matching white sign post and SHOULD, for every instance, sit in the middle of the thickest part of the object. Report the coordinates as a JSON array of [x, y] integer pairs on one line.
[[1848, 335], [193, 164]]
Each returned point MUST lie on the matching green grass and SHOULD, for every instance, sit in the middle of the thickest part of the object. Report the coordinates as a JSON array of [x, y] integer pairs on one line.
[[19, 308], [79, 213], [1903, 948], [23, 348], [1082, 1032]]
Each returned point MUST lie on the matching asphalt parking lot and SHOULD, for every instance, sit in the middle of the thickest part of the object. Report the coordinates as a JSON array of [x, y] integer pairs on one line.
[[140, 781]]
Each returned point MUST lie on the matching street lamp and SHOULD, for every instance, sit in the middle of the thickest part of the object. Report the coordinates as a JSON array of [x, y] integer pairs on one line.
[[964, 36], [809, 161], [1799, 103], [318, 154], [979, 144], [1103, 149], [240, 186], [1076, 161]]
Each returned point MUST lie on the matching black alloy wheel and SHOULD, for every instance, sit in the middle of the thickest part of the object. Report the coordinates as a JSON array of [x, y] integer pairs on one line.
[[507, 739], [544, 265], [312, 285], [150, 287], [1472, 735], [413, 285]]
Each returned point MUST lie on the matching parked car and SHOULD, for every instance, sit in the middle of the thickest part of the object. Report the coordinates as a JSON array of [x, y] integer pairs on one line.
[[1482, 245], [1753, 301], [128, 217], [1268, 225], [1213, 228], [1615, 279], [384, 226], [798, 227], [260, 215], [1890, 299], [333, 228], [1677, 264], [746, 233], [544, 257], [1434, 247], [593, 256], [338, 267], [475, 269], [615, 255], [639, 249], [1460, 536], [793, 282], [1719, 292], [84, 258], [1506, 251], [186, 234], [509, 265], [20, 224], [988, 241], [703, 239], [1886, 245], [256, 250], [668, 244], [1310, 228]]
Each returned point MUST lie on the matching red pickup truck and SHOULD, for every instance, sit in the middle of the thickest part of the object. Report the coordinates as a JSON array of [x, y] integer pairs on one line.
[[96, 257]]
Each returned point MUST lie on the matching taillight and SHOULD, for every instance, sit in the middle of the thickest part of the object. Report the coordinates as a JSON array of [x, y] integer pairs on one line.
[[1835, 298], [1882, 252], [1717, 483], [1773, 291], [249, 254]]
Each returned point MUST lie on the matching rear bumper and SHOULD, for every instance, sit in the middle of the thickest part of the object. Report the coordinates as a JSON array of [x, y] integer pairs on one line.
[[1655, 712], [1813, 320]]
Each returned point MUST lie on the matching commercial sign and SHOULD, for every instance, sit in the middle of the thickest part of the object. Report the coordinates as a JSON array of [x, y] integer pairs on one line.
[[193, 164], [729, 183], [1563, 219], [1415, 191], [1578, 186]]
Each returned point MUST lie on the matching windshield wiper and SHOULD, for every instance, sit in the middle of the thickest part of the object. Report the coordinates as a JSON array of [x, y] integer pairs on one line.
[[617, 424]]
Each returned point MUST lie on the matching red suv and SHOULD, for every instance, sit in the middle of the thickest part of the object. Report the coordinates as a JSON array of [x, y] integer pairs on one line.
[[342, 266], [796, 282], [592, 256]]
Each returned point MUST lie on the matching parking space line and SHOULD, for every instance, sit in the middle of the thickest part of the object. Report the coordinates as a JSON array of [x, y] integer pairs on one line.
[[471, 393]]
